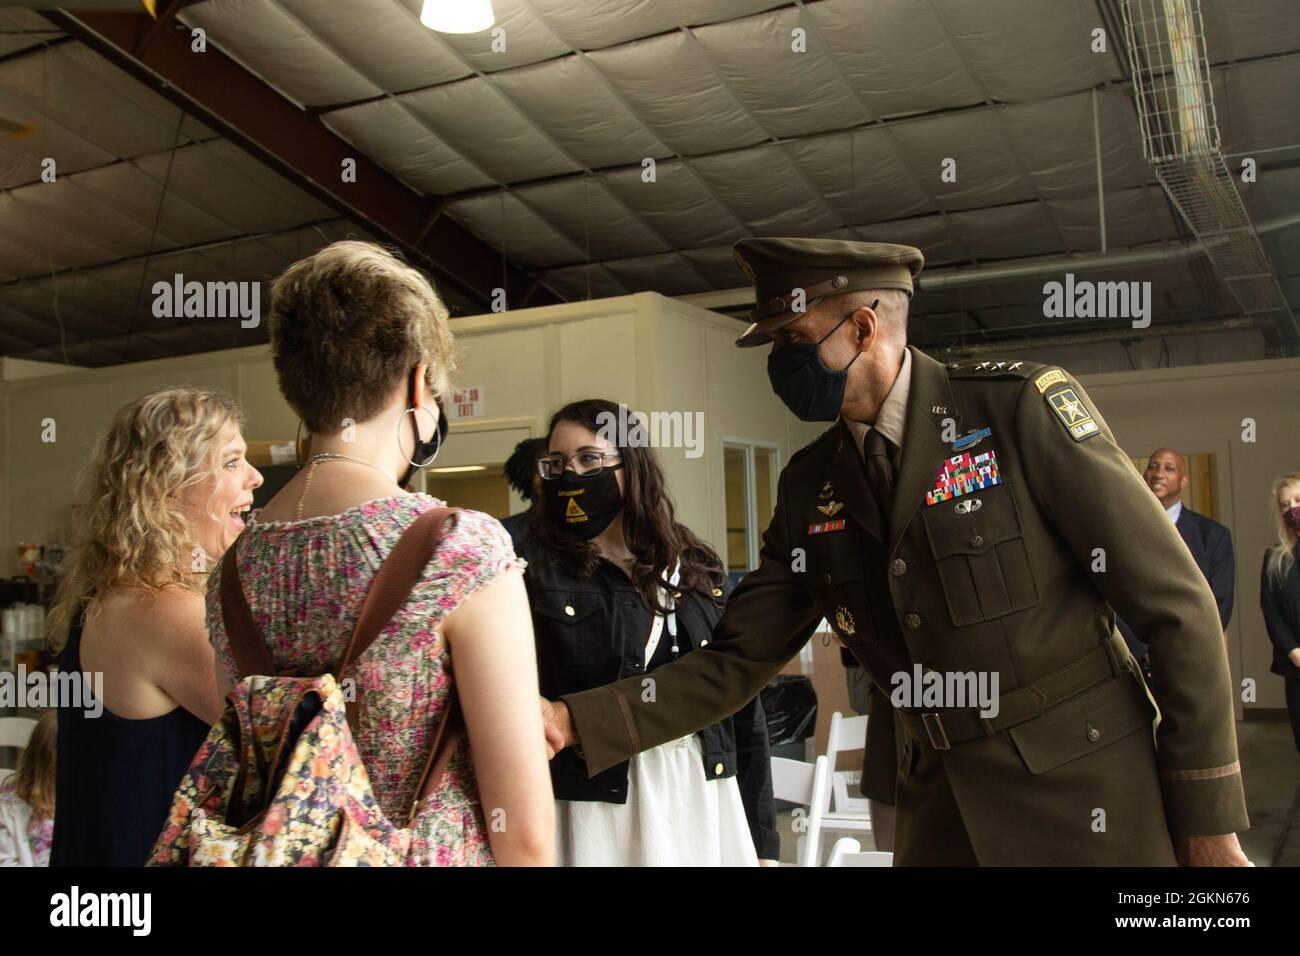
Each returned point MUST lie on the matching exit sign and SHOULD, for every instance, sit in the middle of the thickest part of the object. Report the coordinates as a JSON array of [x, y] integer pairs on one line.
[[466, 402]]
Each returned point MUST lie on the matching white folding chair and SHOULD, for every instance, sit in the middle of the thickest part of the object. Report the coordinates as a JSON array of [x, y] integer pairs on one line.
[[808, 785], [15, 732], [848, 852], [847, 814]]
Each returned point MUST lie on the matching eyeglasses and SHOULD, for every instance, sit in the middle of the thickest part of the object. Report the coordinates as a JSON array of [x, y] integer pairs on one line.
[[585, 463]]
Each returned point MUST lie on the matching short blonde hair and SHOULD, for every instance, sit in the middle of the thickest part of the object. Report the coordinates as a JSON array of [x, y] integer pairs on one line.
[[131, 529], [347, 324]]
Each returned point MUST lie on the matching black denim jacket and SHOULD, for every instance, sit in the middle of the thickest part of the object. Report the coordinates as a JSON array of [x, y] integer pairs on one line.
[[591, 632]]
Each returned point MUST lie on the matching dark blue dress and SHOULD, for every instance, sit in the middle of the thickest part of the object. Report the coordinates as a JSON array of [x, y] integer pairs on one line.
[[115, 777]]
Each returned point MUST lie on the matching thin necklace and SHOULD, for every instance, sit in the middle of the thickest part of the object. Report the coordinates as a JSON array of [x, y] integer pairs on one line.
[[314, 460]]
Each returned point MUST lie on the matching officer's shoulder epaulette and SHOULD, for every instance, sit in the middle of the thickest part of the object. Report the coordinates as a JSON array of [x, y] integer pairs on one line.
[[993, 369], [815, 443]]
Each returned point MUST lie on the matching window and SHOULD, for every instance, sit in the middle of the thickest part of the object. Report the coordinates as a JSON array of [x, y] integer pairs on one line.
[[749, 482]]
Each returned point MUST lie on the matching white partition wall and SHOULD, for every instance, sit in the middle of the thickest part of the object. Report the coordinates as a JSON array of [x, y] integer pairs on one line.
[[653, 353]]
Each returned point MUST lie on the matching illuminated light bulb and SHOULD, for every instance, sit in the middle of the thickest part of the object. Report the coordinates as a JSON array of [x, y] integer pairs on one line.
[[457, 16]]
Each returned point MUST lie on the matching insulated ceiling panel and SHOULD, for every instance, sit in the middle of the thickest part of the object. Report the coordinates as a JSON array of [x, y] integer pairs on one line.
[[986, 171], [896, 55], [931, 234], [488, 130], [1014, 55], [797, 91], [591, 216], [513, 228], [1239, 29], [594, 126], [668, 274], [284, 51], [391, 134], [1133, 217], [861, 174], [382, 40], [677, 204], [593, 26], [673, 88], [1053, 141], [768, 192]]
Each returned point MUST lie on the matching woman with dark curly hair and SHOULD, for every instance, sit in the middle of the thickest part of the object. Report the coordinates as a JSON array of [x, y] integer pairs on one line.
[[618, 587]]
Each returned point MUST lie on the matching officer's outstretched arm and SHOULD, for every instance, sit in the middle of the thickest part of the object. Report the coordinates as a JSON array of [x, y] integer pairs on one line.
[[768, 619], [1095, 500]]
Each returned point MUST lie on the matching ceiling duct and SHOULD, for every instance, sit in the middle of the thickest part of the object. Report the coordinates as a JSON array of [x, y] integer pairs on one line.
[[1165, 40]]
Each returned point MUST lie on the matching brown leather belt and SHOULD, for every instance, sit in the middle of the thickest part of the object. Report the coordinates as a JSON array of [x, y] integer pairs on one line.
[[941, 729]]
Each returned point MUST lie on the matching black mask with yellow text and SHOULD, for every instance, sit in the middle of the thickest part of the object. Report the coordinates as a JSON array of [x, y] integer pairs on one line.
[[583, 505]]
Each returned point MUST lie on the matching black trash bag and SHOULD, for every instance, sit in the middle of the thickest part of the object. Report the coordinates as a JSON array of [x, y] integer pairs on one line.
[[790, 704]]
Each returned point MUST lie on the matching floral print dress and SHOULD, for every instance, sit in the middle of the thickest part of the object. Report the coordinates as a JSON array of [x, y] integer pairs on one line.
[[306, 581], [25, 838]]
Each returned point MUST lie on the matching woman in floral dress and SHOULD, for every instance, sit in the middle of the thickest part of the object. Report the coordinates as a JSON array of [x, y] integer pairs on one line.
[[363, 350]]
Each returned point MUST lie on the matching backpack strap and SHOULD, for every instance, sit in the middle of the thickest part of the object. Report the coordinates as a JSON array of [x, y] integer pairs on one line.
[[397, 577], [247, 645]]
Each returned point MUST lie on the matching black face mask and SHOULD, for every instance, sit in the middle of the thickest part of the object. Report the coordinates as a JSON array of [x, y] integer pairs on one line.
[[801, 379], [425, 451], [583, 506]]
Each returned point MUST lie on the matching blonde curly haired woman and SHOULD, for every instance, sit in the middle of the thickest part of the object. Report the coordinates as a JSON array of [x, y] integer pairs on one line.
[[1279, 592], [160, 499]]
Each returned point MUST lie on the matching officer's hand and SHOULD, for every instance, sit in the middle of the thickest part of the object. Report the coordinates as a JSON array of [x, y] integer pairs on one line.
[[558, 726], [1210, 851], [1295, 656]]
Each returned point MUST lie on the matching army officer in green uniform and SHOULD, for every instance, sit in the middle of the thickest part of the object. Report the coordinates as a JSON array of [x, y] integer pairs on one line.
[[957, 524]]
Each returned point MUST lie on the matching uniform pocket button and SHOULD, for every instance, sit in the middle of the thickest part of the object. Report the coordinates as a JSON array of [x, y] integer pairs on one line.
[[1094, 734], [897, 567], [912, 622], [717, 769], [827, 576], [568, 609], [976, 541]]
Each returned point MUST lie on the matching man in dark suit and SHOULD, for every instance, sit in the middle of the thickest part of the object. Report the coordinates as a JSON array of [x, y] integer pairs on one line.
[[1209, 542]]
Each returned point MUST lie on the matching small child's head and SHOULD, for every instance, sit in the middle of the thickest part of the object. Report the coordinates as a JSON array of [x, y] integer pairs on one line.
[[34, 779]]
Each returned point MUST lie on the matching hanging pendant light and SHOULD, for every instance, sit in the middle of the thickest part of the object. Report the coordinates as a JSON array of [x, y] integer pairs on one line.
[[457, 16]]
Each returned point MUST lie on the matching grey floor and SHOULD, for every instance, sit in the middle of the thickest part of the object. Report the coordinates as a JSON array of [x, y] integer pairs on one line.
[[1271, 768]]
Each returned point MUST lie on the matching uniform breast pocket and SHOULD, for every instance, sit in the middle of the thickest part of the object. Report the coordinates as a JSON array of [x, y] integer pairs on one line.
[[979, 548], [571, 633]]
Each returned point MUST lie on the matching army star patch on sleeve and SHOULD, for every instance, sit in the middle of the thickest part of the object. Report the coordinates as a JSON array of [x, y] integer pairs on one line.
[[1073, 413]]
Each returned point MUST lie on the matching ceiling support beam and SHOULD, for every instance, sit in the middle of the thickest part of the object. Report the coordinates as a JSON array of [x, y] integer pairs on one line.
[[225, 96]]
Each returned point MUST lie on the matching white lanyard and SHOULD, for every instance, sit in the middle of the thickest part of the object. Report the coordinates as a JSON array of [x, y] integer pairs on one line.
[[657, 624]]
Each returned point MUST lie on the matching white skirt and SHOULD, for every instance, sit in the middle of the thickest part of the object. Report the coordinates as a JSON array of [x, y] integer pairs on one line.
[[674, 816]]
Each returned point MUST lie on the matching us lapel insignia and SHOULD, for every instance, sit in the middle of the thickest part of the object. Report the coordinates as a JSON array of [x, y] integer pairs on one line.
[[1074, 415], [831, 508], [844, 620], [827, 491], [825, 526]]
